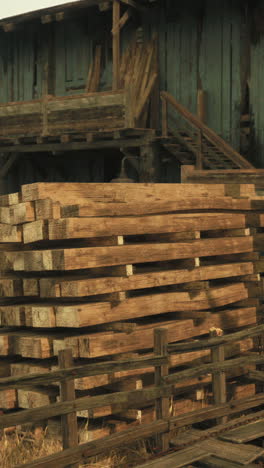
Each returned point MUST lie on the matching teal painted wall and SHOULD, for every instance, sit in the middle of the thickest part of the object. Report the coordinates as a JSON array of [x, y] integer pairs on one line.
[[200, 47], [257, 100], [20, 65]]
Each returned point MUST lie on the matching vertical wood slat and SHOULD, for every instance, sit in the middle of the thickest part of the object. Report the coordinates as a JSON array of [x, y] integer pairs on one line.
[[162, 405], [69, 424], [218, 378], [201, 105], [164, 117], [116, 45]]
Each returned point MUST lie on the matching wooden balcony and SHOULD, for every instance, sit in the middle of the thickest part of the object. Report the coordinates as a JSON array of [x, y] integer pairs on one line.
[[53, 116]]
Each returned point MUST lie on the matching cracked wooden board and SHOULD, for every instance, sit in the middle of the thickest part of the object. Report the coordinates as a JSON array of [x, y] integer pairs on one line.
[[246, 433], [178, 459]]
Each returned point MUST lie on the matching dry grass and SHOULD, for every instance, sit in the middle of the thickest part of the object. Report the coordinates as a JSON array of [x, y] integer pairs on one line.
[[20, 448]]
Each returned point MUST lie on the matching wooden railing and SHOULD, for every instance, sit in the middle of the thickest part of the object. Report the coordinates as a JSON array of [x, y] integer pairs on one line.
[[161, 392], [203, 133]]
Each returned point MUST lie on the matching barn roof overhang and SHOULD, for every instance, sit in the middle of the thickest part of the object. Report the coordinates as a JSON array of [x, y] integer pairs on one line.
[[60, 12]]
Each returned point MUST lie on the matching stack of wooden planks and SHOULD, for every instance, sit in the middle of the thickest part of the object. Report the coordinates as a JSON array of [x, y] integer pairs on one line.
[[96, 267]]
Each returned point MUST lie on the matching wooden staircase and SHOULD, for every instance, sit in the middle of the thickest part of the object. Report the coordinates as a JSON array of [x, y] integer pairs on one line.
[[196, 144]]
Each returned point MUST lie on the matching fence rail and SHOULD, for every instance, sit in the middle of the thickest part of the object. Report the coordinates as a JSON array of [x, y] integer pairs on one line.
[[161, 392]]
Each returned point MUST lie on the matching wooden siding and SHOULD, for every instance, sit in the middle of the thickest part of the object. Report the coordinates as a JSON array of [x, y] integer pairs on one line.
[[20, 65], [256, 95], [200, 48]]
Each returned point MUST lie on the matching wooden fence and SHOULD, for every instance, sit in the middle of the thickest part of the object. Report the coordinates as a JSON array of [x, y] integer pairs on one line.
[[164, 388]]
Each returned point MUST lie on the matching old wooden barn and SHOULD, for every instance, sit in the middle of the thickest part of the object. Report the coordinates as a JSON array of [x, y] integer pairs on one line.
[[80, 88], [132, 311]]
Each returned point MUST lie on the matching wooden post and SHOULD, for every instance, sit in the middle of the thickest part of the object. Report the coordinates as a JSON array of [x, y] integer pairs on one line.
[[164, 116], [218, 378], [186, 172], [116, 45], [162, 404], [149, 163], [67, 392]]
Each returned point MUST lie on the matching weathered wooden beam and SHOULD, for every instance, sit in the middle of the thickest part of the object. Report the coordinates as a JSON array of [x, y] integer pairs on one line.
[[218, 378], [72, 146], [256, 375], [123, 20], [217, 341], [149, 163], [124, 399], [63, 375], [116, 45], [161, 404], [76, 228], [80, 258], [211, 368]]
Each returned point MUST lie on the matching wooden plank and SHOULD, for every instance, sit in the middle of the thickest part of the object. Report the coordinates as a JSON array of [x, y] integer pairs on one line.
[[76, 228], [220, 367], [42, 345], [214, 462], [135, 397], [257, 376], [89, 314], [192, 436], [78, 287], [75, 259], [69, 192], [245, 433], [9, 199], [242, 454], [21, 213], [84, 315], [11, 287], [178, 460], [104, 343], [67, 393], [212, 342], [10, 233], [5, 215], [85, 370]]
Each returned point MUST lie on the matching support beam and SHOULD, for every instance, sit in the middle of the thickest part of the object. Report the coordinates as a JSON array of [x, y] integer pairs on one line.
[[67, 392], [123, 20], [218, 378], [116, 45], [149, 162]]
